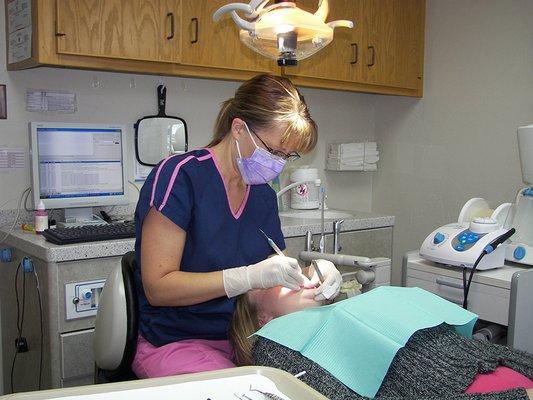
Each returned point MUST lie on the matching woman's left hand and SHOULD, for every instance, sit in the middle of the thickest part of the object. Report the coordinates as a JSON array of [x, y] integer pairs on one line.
[[331, 286]]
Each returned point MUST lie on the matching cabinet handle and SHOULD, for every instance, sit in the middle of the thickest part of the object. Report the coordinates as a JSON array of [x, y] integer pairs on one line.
[[59, 34], [194, 22], [171, 16], [442, 282], [373, 58], [459, 302], [355, 50]]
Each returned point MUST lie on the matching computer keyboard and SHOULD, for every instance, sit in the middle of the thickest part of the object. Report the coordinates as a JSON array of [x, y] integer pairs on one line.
[[90, 233]]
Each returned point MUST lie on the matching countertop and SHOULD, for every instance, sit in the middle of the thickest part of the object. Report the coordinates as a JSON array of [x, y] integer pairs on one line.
[[37, 246]]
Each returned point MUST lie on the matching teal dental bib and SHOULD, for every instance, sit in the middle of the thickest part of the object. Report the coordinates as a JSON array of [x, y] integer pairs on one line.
[[357, 339]]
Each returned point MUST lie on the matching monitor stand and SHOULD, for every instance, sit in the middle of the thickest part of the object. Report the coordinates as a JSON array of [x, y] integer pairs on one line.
[[79, 217]]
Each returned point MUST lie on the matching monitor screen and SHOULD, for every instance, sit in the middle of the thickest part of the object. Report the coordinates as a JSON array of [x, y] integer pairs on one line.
[[77, 165]]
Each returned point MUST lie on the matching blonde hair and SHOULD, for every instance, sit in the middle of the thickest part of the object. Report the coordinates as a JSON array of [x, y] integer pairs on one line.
[[264, 102], [243, 324]]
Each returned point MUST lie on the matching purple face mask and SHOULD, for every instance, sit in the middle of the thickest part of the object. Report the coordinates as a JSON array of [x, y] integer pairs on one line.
[[261, 167]]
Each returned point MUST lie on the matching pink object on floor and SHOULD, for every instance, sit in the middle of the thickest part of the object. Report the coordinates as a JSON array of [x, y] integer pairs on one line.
[[184, 357], [501, 379]]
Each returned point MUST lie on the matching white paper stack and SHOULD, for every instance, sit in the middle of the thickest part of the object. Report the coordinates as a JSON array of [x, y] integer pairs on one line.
[[353, 156]]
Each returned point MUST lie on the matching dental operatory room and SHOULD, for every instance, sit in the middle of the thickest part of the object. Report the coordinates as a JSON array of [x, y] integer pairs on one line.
[[266, 199]]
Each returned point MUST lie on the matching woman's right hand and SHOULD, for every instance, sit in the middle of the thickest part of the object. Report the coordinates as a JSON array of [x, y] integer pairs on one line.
[[274, 271]]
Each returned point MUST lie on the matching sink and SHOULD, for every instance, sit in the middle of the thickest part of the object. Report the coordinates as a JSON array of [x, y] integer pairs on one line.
[[315, 214]]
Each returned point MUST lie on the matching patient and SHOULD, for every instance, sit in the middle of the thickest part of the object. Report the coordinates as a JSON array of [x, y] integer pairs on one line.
[[436, 363]]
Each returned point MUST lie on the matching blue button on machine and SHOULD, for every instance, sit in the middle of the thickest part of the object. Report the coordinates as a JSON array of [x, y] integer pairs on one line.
[[519, 253], [88, 295], [439, 238], [460, 247], [472, 239]]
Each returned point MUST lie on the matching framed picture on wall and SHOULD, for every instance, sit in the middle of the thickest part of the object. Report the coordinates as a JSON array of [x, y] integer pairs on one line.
[[3, 102]]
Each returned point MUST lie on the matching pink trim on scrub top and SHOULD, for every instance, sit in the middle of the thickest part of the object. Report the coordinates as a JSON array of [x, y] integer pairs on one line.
[[154, 186], [501, 379], [173, 178], [244, 201], [183, 357]]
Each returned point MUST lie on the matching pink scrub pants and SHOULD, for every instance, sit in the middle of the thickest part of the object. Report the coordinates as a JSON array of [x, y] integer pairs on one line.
[[183, 357]]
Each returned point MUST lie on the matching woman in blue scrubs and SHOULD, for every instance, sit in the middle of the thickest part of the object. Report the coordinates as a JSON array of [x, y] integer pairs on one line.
[[198, 222]]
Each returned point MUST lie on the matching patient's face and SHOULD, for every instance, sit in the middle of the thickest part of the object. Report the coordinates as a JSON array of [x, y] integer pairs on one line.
[[278, 301]]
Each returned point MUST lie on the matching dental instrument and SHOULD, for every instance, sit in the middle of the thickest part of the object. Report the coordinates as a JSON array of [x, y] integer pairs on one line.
[[318, 272], [273, 244], [336, 236], [322, 243]]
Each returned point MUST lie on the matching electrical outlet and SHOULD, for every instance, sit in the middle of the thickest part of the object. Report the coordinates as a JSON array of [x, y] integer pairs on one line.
[[21, 345]]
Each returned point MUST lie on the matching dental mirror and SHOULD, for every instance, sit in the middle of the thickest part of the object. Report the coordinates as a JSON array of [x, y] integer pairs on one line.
[[161, 135]]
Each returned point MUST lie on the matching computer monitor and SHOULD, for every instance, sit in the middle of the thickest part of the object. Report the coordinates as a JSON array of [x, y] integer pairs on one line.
[[77, 167]]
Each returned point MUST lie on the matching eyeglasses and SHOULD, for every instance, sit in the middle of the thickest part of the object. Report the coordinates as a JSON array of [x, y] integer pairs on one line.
[[292, 156]]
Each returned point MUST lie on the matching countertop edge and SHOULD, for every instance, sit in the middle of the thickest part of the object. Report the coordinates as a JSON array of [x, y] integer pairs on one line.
[[37, 246]]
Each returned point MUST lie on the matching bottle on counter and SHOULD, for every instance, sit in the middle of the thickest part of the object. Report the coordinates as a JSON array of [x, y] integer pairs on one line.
[[41, 218]]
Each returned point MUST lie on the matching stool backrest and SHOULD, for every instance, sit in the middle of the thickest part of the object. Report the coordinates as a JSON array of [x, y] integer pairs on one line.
[[116, 328]]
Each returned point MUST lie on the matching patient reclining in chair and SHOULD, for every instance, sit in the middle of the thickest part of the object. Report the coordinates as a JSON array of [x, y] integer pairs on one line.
[[437, 358]]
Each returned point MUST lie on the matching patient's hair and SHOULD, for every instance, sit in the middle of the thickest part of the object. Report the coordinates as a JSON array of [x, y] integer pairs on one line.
[[243, 324]]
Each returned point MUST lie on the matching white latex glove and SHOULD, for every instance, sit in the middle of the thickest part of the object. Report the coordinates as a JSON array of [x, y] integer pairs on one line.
[[331, 286], [274, 271]]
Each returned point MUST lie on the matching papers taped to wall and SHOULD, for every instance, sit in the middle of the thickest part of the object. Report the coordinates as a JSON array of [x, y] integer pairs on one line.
[[50, 101], [19, 30]]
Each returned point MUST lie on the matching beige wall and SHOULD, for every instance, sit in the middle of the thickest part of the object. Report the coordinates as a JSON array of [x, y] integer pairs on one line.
[[459, 141]]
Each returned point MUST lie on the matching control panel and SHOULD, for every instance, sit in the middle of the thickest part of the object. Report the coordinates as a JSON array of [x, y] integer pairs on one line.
[[82, 298]]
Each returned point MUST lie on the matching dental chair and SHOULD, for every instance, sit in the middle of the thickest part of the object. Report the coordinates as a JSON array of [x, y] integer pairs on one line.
[[116, 328]]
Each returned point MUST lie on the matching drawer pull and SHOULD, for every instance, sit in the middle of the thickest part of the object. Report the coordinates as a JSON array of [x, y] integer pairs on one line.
[[171, 17], [355, 50], [442, 282], [194, 23], [451, 300], [373, 57]]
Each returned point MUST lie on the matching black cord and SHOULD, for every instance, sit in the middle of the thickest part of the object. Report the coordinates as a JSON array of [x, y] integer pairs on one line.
[[20, 322], [466, 288], [20, 319], [37, 285], [27, 194]]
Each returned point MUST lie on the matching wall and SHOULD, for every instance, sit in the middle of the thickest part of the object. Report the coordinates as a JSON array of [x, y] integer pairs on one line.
[[341, 116], [459, 141]]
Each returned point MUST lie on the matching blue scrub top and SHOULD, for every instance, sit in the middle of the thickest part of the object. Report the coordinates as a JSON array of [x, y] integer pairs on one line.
[[188, 189]]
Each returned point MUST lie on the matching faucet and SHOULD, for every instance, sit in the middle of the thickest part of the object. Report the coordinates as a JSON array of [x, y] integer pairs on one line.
[[317, 183], [336, 236]]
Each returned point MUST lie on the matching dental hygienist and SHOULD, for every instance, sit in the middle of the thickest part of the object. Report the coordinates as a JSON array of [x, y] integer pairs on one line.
[[198, 225]]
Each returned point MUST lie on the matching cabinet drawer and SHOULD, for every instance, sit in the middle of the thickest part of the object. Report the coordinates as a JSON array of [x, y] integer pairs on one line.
[[489, 302], [77, 359]]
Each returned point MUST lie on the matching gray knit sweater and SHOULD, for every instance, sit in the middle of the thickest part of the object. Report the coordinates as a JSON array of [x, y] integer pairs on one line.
[[436, 363]]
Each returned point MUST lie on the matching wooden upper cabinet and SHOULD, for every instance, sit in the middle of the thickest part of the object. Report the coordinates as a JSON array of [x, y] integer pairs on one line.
[[216, 44], [383, 53], [134, 29], [339, 59], [393, 42]]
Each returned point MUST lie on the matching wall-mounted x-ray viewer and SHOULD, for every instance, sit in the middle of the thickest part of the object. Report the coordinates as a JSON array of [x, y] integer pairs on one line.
[[159, 136]]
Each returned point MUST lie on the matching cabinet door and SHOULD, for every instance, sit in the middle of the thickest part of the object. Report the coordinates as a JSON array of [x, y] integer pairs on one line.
[[340, 60], [216, 44], [133, 29], [393, 49]]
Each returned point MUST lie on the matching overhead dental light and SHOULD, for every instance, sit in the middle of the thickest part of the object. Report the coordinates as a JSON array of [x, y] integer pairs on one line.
[[283, 31]]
